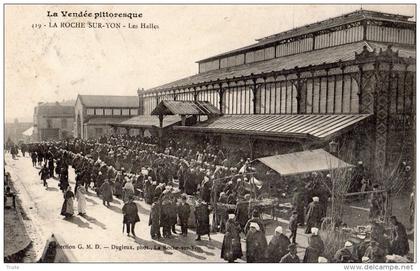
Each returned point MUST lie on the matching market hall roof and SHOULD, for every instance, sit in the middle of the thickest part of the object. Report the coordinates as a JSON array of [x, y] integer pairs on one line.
[[348, 18], [303, 162], [110, 101], [148, 121], [318, 127], [346, 52], [168, 107]]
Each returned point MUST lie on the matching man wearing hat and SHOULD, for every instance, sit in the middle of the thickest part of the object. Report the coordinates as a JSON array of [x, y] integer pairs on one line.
[[184, 214], [131, 216], [106, 192], [292, 256], [293, 226], [154, 220], [345, 254], [202, 213], [313, 215], [278, 245], [165, 216]]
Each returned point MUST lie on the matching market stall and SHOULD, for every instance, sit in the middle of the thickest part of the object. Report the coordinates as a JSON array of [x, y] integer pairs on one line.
[[293, 166]]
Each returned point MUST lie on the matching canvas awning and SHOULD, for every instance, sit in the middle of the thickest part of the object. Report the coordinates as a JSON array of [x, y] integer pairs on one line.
[[28, 132], [303, 162], [303, 126]]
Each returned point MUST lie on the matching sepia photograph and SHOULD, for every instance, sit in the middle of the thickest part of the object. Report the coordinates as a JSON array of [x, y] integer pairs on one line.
[[210, 133]]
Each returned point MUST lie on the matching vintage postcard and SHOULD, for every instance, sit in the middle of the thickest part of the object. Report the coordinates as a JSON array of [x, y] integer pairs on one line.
[[210, 133]]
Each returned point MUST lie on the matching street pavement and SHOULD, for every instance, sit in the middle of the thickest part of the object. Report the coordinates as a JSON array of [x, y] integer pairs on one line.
[[98, 236]]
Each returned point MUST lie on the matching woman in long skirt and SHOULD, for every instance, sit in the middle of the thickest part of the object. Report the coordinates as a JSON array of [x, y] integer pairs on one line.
[[81, 200], [231, 247], [67, 209]]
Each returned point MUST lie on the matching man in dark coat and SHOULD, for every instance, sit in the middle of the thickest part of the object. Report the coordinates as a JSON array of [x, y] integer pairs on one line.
[[242, 210], [51, 166], [33, 157], [106, 192], [256, 244], [399, 240], [376, 202], [202, 213], [131, 216], [298, 203], [44, 172], [293, 226], [148, 195], [278, 245], [184, 214], [313, 215], [181, 177], [190, 185], [205, 189], [165, 218], [154, 222], [173, 214], [292, 256]]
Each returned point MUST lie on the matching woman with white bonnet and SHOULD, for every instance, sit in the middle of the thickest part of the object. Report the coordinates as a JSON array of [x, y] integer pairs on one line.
[[256, 244], [345, 254], [278, 246], [315, 247], [81, 200]]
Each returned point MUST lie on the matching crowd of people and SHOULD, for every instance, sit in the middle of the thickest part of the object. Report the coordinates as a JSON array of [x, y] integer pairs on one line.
[[178, 181]]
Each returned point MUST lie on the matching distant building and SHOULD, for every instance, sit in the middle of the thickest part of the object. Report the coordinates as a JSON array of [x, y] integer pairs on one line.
[[53, 121], [14, 130], [96, 113]]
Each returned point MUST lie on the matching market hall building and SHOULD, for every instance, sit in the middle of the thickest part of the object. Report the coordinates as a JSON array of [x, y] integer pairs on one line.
[[345, 84]]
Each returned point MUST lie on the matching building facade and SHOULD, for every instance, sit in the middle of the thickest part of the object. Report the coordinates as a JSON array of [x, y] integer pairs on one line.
[[96, 113], [53, 121], [349, 79]]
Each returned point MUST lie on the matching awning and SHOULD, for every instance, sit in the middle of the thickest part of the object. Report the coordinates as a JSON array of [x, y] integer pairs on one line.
[[29, 132], [168, 107], [303, 162], [148, 121], [321, 127], [105, 121]]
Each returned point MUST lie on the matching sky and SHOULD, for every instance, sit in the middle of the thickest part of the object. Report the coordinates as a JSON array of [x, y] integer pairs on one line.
[[55, 64]]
